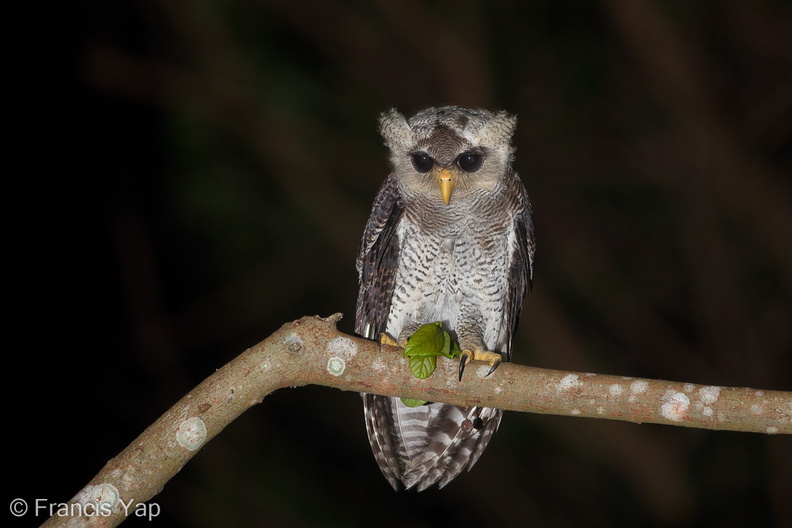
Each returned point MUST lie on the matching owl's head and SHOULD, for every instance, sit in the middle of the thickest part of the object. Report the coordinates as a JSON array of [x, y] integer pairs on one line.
[[449, 152]]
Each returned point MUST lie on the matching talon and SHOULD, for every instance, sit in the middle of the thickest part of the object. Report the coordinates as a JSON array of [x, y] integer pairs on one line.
[[494, 364], [493, 358], [464, 359]]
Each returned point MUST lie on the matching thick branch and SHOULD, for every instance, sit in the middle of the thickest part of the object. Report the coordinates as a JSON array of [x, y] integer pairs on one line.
[[312, 351]]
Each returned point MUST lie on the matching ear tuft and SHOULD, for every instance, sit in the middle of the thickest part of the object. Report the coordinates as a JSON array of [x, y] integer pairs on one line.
[[395, 130], [499, 129]]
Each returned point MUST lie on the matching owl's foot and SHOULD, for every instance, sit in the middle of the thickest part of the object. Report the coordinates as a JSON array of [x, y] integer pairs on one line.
[[386, 339], [493, 358]]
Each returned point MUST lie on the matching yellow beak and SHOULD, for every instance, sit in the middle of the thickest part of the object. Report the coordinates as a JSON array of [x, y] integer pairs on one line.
[[447, 183]]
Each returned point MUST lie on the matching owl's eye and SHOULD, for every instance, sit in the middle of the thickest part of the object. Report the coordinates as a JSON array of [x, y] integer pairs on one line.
[[422, 161], [470, 161]]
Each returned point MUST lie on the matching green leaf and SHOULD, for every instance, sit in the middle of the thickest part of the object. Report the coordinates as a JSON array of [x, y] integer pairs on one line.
[[412, 403], [423, 366], [450, 348], [455, 350], [446, 345], [427, 340], [422, 349]]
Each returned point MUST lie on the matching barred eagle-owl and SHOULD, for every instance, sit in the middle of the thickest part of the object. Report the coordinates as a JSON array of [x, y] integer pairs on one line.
[[450, 239]]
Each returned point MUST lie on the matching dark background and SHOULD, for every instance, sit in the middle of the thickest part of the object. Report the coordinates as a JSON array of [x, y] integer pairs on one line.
[[195, 174]]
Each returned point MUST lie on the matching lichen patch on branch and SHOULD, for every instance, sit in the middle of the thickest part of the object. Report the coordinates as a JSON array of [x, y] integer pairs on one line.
[[709, 395], [676, 406], [191, 433], [336, 366], [342, 347], [569, 382]]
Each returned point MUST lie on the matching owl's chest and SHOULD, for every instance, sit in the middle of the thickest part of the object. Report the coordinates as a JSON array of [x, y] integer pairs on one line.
[[468, 220], [448, 266], [444, 256]]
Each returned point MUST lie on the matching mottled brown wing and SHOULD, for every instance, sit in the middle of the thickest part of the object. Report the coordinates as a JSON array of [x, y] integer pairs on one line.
[[521, 271], [376, 261]]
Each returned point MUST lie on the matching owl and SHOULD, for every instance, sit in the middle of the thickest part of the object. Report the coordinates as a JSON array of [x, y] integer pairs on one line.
[[450, 238]]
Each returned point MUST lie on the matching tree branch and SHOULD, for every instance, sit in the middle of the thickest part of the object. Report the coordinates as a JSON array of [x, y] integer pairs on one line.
[[311, 351]]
